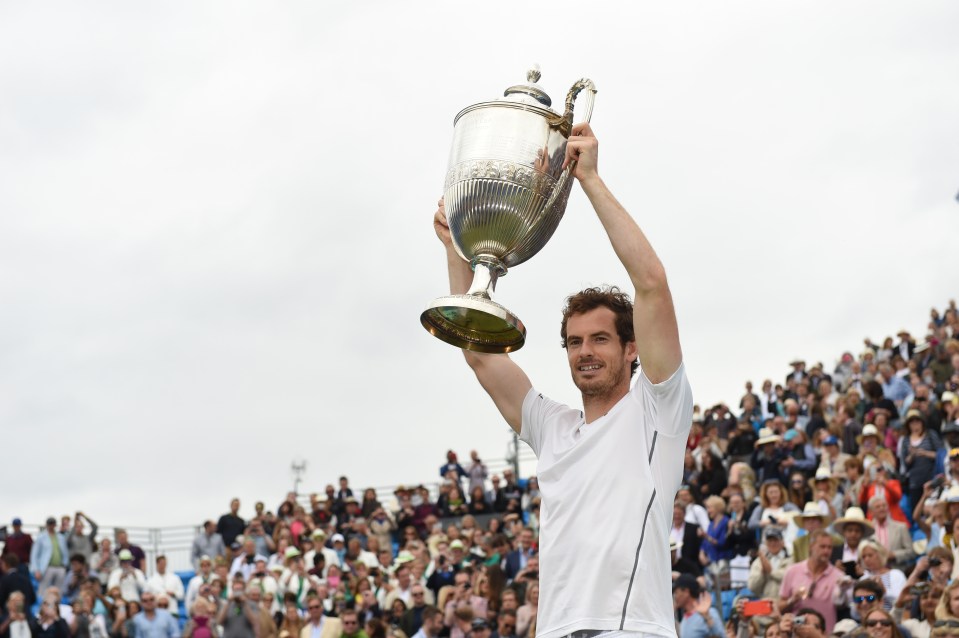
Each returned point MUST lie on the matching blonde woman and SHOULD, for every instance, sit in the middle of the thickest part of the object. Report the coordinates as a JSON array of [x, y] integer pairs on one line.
[[526, 615], [873, 559]]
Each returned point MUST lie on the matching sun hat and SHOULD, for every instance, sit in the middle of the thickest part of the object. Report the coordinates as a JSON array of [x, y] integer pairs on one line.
[[854, 515]]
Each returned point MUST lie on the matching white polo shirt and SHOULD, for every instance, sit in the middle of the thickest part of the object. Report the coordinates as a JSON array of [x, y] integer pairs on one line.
[[607, 497]]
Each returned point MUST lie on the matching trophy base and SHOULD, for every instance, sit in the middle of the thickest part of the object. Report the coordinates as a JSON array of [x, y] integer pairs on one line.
[[472, 322]]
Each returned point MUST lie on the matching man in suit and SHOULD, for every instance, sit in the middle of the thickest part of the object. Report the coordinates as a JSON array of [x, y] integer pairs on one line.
[[516, 560], [48, 558], [853, 527], [686, 535], [320, 626], [13, 581], [890, 533]]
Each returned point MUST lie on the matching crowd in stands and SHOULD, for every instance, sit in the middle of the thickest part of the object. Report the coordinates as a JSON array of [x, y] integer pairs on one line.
[[823, 505]]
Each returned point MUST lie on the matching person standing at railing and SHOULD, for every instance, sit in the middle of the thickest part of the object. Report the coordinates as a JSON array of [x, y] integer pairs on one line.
[[79, 542], [207, 543], [231, 525], [48, 558]]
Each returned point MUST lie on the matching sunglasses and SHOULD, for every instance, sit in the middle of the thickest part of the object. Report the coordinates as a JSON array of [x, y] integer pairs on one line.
[[952, 624], [313, 607], [882, 622], [871, 598]]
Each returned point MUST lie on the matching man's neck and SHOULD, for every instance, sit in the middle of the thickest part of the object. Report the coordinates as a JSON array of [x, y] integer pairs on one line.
[[817, 567], [596, 407]]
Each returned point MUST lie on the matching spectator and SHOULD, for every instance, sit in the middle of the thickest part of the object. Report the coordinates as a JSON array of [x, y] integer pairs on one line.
[[351, 625], [526, 615], [810, 520], [714, 551], [79, 542], [123, 543], [478, 503], [873, 558], [20, 544], [699, 618], [495, 496], [853, 527], [452, 468], [318, 625], [768, 457], [416, 616], [477, 472], [825, 494], [890, 533], [48, 558], [165, 581], [153, 622], [798, 493], [292, 623], [18, 621], [814, 582], [918, 456], [768, 568], [517, 559], [505, 624], [127, 577], [479, 628], [921, 626], [77, 576], [773, 510], [14, 581], [880, 624], [200, 625], [230, 525], [239, 617], [207, 543], [49, 622], [203, 577], [880, 483]]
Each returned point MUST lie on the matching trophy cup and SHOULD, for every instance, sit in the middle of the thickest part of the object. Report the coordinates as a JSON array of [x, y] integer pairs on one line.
[[505, 194]]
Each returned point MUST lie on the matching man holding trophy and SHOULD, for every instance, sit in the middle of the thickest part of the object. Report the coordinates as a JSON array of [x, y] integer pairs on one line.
[[607, 474]]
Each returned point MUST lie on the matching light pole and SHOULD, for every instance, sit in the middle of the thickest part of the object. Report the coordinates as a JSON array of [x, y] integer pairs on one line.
[[298, 468]]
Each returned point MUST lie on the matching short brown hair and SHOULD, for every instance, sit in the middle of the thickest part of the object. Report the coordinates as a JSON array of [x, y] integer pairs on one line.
[[603, 297]]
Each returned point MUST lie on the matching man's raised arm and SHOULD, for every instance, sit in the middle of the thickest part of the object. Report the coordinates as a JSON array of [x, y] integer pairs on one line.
[[503, 380], [654, 319]]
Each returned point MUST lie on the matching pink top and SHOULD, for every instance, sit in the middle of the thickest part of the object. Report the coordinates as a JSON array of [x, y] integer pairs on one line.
[[820, 591]]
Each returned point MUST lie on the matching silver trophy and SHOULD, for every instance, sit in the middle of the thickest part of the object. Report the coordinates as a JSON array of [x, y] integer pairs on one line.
[[505, 192]]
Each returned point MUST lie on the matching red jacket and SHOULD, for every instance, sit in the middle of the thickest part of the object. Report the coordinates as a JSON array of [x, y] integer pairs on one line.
[[893, 493]]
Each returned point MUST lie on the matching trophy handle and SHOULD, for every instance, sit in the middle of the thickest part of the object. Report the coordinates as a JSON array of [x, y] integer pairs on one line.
[[574, 91]]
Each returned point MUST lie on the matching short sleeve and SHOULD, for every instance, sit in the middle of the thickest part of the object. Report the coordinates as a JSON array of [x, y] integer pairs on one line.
[[537, 410], [669, 404]]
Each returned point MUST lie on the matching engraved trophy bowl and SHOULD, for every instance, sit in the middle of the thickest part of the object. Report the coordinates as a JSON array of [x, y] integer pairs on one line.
[[505, 194]]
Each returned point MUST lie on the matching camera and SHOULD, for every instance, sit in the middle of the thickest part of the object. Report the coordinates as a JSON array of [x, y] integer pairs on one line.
[[935, 561], [799, 620]]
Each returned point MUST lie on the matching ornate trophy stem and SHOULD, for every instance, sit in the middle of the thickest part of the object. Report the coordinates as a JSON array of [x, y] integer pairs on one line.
[[486, 271]]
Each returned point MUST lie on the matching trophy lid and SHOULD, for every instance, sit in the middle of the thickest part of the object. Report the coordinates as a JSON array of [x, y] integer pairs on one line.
[[529, 93]]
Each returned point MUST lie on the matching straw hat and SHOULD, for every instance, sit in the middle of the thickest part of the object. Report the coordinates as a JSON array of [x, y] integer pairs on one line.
[[868, 430], [810, 510], [854, 515], [766, 435], [823, 474]]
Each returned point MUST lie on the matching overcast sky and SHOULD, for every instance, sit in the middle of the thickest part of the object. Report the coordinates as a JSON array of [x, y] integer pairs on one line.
[[215, 237]]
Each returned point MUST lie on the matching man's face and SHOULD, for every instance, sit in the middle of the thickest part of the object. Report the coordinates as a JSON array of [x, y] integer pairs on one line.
[[852, 533], [865, 601], [315, 607], [821, 549], [161, 565], [526, 539], [681, 596], [121, 538], [351, 623], [254, 594], [419, 596], [235, 505], [249, 548], [209, 527], [598, 360], [149, 601], [812, 523], [206, 566], [506, 625], [880, 510]]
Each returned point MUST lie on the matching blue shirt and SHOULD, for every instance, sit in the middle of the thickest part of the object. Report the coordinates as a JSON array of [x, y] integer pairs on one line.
[[897, 389], [163, 625], [695, 626]]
